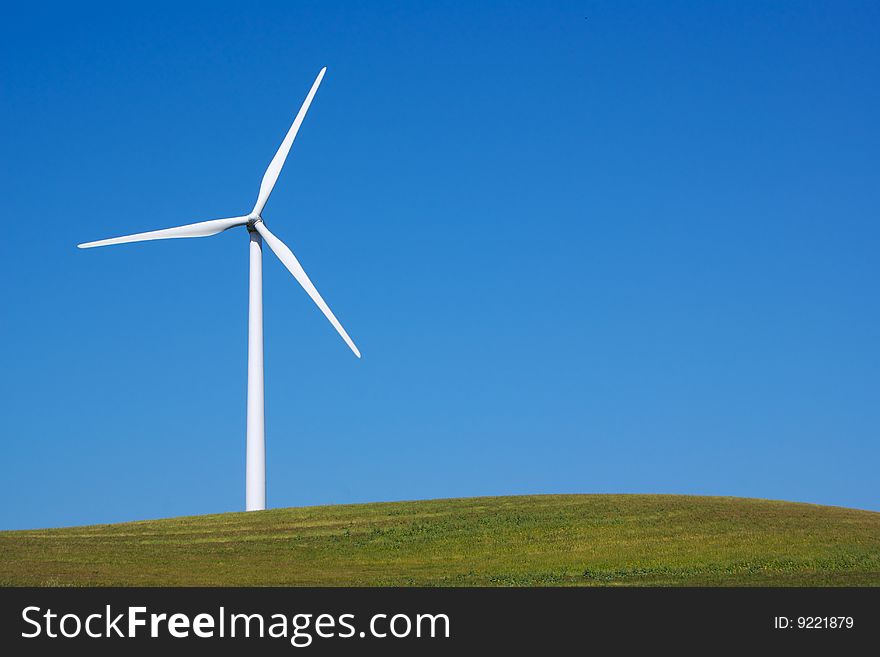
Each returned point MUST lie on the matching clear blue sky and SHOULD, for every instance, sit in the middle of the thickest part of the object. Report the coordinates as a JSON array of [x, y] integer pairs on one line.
[[591, 247]]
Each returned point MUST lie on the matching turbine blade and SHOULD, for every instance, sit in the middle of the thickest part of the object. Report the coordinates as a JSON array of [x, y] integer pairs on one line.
[[200, 229], [285, 255], [275, 166]]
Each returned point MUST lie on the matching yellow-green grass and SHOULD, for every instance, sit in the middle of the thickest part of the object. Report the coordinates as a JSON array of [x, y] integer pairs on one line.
[[582, 540]]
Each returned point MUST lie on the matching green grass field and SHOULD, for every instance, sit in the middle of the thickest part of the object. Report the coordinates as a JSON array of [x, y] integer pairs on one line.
[[581, 540]]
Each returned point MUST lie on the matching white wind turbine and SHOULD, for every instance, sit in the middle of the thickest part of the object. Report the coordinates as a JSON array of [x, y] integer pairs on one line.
[[256, 440]]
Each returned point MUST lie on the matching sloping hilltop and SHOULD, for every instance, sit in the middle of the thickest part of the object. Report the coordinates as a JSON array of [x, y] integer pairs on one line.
[[582, 540]]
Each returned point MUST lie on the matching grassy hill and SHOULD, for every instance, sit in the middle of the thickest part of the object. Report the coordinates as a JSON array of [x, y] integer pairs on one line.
[[583, 540]]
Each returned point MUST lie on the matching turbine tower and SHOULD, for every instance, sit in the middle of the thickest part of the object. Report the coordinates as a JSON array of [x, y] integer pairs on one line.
[[255, 497]]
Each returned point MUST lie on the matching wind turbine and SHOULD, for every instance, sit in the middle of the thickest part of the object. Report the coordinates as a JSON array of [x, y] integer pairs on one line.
[[256, 438]]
